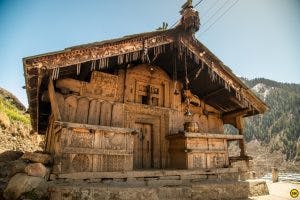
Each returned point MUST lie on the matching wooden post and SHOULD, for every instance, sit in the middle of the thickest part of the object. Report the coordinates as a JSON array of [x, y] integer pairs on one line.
[[274, 174], [240, 127], [54, 106]]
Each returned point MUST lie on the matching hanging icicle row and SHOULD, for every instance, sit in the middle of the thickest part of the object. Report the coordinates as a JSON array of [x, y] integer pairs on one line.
[[93, 66], [103, 62], [78, 68], [136, 55], [120, 59], [55, 73]]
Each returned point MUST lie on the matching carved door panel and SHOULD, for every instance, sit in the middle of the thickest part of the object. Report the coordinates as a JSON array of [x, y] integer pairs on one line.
[[142, 153]]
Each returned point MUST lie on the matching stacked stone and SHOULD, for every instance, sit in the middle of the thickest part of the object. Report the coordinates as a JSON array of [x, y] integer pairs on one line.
[[27, 176]]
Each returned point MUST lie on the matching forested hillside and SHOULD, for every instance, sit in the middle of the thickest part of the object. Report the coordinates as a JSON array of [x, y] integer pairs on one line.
[[279, 127]]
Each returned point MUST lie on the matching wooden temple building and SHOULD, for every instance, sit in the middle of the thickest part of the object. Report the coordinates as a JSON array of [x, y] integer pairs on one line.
[[144, 102]]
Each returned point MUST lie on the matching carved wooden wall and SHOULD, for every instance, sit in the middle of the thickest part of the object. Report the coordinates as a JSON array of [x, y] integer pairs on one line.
[[141, 96]]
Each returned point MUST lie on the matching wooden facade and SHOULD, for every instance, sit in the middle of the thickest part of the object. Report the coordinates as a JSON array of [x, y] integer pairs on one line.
[[156, 100]]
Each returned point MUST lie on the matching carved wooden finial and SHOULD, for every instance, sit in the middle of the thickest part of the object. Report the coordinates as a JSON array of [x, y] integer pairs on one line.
[[188, 4], [190, 21]]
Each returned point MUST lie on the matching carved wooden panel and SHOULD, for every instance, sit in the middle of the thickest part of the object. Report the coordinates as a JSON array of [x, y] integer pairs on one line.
[[81, 139], [94, 112], [82, 110], [113, 141], [197, 143], [105, 117], [81, 163], [216, 144], [118, 115], [102, 85], [216, 160], [70, 107], [83, 149], [198, 161]]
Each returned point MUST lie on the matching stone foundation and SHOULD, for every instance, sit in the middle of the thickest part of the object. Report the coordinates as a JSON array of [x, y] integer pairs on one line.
[[158, 189]]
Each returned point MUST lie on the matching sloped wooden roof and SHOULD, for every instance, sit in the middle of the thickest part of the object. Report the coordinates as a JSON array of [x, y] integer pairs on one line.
[[216, 83]]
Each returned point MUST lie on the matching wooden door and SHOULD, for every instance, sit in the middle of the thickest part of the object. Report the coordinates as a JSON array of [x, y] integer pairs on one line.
[[142, 153]]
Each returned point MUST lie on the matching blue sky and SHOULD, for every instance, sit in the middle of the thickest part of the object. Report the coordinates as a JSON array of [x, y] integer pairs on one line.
[[256, 38]]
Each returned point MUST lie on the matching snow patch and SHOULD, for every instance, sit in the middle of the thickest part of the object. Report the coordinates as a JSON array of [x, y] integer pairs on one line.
[[263, 90]]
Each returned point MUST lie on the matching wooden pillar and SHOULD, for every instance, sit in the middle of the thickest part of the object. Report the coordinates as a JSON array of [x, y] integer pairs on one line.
[[275, 174], [53, 101], [240, 127]]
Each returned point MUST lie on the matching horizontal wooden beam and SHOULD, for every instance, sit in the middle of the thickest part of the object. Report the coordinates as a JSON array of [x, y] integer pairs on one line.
[[145, 173], [205, 135], [95, 127], [235, 113], [213, 93], [93, 151]]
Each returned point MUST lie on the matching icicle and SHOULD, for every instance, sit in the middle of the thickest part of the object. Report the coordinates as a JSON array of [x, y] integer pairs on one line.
[[106, 62], [135, 55], [99, 65], [78, 68], [57, 73], [93, 66], [53, 74]]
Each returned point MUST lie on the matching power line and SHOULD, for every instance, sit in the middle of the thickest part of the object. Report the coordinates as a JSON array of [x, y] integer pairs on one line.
[[220, 17], [209, 9], [212, 16], [197, 4]]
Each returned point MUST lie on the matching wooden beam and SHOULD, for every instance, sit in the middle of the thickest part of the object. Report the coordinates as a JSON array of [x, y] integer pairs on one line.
[[54, 105], [146, 173], [213, 93], [235, 113], [94, 127]]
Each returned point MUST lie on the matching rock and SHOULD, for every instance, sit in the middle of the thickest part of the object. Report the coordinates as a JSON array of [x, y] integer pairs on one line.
[[10, 155], [4, 166], [37, 157], [22, 183], [17, 166], [36, 169], [8, 169]]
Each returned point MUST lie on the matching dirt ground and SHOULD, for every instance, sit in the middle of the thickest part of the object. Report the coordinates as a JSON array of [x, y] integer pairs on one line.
[[280, 191]]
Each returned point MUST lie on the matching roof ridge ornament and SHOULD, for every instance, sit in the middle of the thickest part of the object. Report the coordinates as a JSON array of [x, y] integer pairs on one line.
[[189, 21]]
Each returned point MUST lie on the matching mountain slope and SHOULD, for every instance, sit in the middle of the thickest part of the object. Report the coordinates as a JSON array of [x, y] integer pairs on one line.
[[279, 127], [15, 126]]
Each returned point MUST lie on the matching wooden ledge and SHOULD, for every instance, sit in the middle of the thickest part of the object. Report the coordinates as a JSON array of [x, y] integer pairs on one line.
[[205, 135], [95, 127], [145, 173]]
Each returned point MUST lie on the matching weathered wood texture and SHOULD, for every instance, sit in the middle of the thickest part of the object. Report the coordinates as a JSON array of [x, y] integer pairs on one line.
[[92, 149], [199, 151], [142, 98]]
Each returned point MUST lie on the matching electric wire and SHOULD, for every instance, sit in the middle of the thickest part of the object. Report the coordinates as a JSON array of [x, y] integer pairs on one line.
[[209, 9], [224, 13], [212, 16]]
